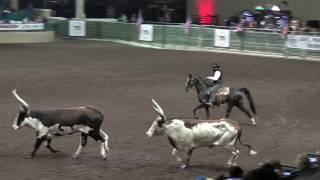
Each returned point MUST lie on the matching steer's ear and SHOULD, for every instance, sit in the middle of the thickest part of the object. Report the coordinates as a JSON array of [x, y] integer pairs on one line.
[[190, 75]]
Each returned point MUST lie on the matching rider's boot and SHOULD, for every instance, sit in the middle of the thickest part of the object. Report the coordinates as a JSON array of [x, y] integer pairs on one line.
[[209, 100]]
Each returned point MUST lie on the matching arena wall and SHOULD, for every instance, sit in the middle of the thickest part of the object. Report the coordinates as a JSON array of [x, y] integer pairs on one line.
[[27, 37]]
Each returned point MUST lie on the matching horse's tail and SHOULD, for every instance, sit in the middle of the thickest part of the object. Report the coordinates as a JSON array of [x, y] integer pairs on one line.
[[251, 102]]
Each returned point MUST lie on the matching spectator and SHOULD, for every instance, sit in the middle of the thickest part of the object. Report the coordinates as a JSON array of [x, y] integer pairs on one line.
[[133, 18], [123, 18], [295, 25], [303, 162], [220, 177], [277, 167], [235, 173], [265, 172]]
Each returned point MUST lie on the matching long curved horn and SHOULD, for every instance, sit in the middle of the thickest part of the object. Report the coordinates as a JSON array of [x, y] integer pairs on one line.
[[23, 105], [158, 109]]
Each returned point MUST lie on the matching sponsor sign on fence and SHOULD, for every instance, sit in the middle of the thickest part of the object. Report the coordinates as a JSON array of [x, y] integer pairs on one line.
[[303, 42], [21, 27], [77, 28], [146, 32], [222, 38]]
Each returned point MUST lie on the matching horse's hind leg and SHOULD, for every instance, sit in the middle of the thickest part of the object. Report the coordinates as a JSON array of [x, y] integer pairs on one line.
[[243, 109]]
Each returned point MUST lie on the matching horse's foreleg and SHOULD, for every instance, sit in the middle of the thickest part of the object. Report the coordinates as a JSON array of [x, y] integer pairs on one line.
[[229, 108], [207, 112], [195, 110]]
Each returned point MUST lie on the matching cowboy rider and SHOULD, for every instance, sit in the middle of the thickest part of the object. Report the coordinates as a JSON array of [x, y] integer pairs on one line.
[[216, 79]]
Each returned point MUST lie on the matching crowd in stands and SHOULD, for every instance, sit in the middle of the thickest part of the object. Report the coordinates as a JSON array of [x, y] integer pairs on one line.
[[271, 20], [307, 166], [12, 16]]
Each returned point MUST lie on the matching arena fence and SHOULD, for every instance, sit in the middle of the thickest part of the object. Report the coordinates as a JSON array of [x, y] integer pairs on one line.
[[260, 42]]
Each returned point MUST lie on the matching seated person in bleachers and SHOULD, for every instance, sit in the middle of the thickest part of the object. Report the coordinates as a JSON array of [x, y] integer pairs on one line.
[[265, 172]]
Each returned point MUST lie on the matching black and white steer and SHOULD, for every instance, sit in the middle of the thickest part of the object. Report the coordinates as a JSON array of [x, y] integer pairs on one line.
[[186, 135], [60, 122]]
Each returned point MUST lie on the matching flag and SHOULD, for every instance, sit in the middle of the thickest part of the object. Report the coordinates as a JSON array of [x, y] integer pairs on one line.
[[285, 31], [187, 25], [284, 26], [139, 20]]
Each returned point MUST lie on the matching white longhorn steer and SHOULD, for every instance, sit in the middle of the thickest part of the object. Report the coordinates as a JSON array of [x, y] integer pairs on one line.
[[60, 122], [185, 135]]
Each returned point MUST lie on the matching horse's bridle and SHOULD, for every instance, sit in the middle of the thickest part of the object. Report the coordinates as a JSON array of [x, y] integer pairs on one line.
[[190, 83]]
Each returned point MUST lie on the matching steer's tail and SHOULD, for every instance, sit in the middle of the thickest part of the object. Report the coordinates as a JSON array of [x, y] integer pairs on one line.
[[252, 152]]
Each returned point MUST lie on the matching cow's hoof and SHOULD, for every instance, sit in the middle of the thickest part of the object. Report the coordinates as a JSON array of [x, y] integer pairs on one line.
[[74, 156]]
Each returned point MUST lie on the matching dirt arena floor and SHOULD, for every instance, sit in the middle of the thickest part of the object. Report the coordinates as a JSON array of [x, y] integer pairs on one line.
[[121, 80]]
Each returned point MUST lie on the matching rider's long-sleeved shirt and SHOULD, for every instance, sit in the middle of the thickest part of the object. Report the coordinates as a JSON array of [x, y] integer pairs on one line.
[[215, 77]]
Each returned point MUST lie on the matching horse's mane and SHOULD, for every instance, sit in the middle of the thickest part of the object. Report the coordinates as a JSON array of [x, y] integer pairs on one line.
[[201, 79]]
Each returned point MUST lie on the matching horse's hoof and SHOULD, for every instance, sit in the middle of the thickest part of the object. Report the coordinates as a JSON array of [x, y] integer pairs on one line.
[[253, 121]]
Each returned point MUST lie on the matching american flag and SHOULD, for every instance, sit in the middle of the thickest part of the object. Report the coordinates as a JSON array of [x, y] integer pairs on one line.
[[139, 20], [285, 31], [187, 25], [284, 26]]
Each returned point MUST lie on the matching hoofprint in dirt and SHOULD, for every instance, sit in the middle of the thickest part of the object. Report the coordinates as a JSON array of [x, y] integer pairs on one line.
[[120, 81]]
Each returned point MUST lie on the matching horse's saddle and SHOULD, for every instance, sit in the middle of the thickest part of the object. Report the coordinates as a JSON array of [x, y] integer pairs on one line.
[[223, 91], [222, 95]]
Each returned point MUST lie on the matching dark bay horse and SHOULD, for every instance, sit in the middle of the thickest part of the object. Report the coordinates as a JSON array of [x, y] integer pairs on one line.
[[231, 96]]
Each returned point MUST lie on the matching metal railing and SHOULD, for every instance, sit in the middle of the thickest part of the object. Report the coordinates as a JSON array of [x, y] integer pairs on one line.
[[259, 41]]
